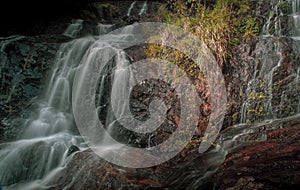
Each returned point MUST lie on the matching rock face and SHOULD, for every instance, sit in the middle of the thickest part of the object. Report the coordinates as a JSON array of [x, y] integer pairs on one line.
[[267, 158], [267, 68], [271, 92], [183, 172], [25, 62], [264, 155], [259, 154]]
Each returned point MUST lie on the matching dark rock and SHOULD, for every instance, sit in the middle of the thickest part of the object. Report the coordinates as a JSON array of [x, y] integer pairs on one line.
[[25, 63], [72, 149], [92, 172]]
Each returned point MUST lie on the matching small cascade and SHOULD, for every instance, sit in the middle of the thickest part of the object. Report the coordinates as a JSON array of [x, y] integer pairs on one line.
[[42, 147], [283, 20], [43, 144], [74, 29], [296, 18], [137, 8], [296, 6], [120, 86], [144, 8], [103, 29], [272, 92], [130, 8], [42, 150], [273, 24]]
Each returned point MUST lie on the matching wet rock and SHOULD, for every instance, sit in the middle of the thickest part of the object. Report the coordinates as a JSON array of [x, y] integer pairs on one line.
[[266, 158], [261, 72], [91, 172], [247, 183], [182, 172], [237, 75], [72, 149], [25, 63]]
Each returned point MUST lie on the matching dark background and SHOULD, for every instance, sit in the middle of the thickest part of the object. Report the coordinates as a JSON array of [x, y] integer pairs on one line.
[[31, 17], [17, 16]]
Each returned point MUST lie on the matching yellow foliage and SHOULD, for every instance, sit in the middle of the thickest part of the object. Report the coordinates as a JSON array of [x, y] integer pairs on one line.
[[219, 27]]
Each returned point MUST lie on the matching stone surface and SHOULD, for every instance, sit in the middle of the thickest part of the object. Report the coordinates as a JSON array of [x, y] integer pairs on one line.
[[260, 156], [25, 64], [268, 158]]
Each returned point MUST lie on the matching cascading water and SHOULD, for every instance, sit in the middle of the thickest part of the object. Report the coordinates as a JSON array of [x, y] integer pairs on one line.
[[130, 8], [272, 92], [42, 148], [296, 18], [74, 29], [137, 8], [283, 20], [44, 143], [103, 28], [144, 8]]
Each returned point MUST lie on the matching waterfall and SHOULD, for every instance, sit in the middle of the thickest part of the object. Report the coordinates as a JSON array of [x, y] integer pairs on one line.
[[283, 20], [74, 29], [273, 24], [42, 148], [296, 6], [130, 8], [104, 29], [271, 93], [44, 143], [296, 18], [144, 8], [120, 85]]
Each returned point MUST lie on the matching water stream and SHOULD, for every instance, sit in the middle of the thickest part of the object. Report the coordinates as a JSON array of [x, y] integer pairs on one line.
[[74, 29], [130, 8], [296, 18], [272, 92], [43, 147], [144, 8]]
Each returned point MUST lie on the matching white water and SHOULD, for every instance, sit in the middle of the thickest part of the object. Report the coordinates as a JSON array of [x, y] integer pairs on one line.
[[296, 17], [144, 8], [136, 5], [41, 150], [277, 18], [74, 29], [273, 24], [120, 87], [266, 68], [130, 8], [44, 143], [104, 29]]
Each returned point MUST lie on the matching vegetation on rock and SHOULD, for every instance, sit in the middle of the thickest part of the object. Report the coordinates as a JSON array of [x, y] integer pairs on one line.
[[221, 25]]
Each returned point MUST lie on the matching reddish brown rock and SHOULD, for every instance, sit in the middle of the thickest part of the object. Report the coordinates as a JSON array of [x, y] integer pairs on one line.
[[273, 163]]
